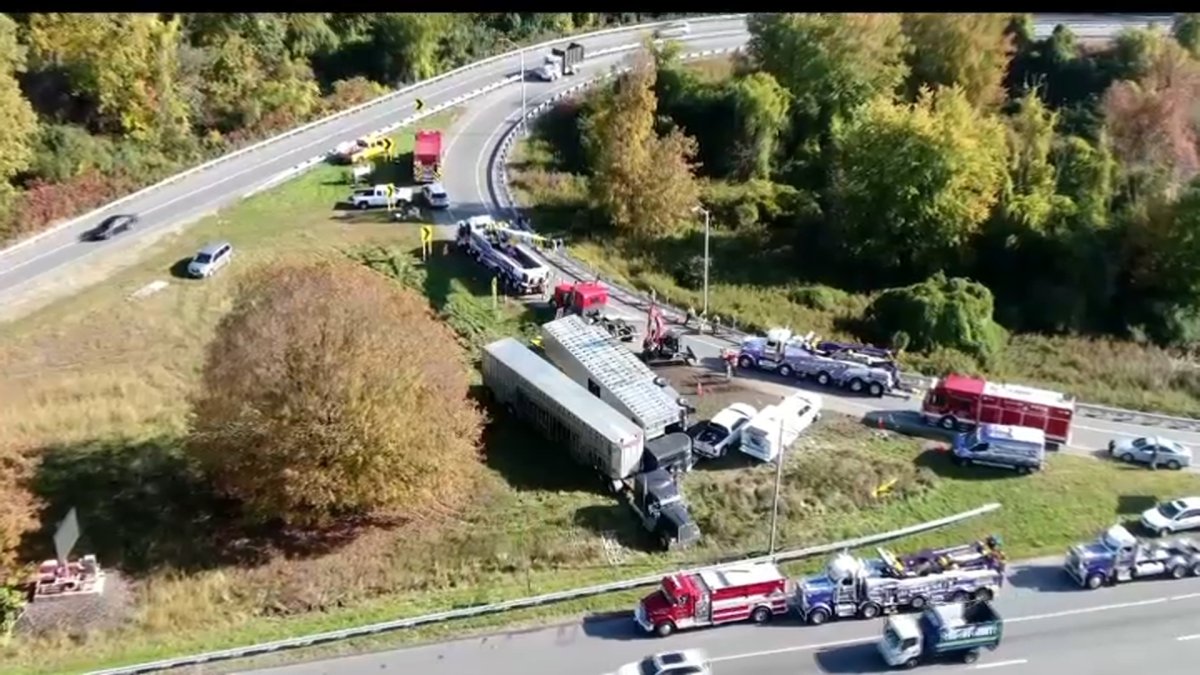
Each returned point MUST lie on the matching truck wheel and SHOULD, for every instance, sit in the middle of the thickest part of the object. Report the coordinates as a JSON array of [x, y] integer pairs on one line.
[[823, 379], [1178, 572], [818, 616], [1196, 569], [662, 630], [856, 385], [918, 603], [1094, 581], [875, 389], [761, 615], [869, 610], [958, 596], [785, 370], [745, 362], [971, 656], [664, 541], [1023, 470], [1174, 465], [948, 423], [911, 663], [982, 595], [362, 206]]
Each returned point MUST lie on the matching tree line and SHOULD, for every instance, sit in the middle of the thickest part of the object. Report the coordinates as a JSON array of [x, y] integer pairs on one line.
[[918, 151], [93, 106]]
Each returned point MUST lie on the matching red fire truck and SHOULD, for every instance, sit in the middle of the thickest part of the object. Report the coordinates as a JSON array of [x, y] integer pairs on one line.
[[427, 157], [754, 592], [956, 401], [581, 297]]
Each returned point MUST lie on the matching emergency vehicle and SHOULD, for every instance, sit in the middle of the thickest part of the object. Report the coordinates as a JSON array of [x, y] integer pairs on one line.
[[685, 600], [427, 157], [958, 401]]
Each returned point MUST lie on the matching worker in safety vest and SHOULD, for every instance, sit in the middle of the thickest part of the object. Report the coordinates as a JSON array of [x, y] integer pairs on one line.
[[729, 356]]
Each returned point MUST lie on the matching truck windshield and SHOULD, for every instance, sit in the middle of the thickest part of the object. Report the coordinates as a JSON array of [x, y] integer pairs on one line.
[[1169, 510], [1110, 542], [891, 638], [671, 600]]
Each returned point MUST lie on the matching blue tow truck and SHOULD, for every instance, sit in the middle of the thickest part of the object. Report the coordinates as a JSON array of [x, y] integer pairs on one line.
[[959, 631], [1116, 556]]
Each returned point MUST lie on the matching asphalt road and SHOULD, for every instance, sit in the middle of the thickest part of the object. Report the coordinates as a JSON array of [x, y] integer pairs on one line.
[[1051, 627]]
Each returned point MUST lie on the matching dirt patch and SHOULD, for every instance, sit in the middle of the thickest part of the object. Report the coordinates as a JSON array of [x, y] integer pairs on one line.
[[79, 616]]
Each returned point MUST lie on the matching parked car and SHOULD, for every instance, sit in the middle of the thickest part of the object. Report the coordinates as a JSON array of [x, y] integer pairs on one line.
[[1162, 451], [210, 259], [435, 196], [1174, 516], [683, 662], [713, 438], [676, 29], [111, 227]]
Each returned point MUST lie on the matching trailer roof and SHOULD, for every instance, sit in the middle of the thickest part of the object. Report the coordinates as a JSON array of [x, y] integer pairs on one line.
[[975, 386], [616, 369], [542, 374], [741, 575]]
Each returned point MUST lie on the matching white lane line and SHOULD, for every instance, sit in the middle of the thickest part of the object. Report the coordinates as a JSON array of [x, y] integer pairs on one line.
[[1031, 617], [1184, 638], [1000, 664]]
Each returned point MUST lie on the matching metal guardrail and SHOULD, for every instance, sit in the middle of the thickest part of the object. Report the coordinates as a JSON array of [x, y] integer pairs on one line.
[[535, 601], [913, 382], [94, 213]]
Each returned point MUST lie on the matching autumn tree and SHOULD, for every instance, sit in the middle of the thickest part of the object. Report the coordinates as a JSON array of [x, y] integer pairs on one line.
[[831, 63], [913, 182], [644, 183], [1162, 267], [329, 390], [18, 506], [1030, 194], [18, 123], [970, 51], [763, 106]]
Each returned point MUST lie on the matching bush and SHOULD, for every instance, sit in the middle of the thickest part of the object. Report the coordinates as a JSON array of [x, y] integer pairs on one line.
[[18, 509], [937, 313], [820, 298], [330, 391]]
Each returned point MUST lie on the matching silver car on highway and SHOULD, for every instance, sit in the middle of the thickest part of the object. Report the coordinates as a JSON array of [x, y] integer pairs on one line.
[[1161, 451]]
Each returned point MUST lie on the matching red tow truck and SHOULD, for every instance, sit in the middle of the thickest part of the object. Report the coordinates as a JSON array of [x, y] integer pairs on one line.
[[753, 592], [958, 401]]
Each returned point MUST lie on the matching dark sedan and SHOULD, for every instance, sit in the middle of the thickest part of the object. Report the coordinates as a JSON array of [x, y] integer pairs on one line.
[[111, 227]]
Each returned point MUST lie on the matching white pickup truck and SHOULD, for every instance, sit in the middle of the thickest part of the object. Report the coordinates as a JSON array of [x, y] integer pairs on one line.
[[377, 196]]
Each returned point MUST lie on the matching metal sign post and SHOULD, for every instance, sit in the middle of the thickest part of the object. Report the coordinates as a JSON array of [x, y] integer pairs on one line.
[[778, 482], [495, 294]]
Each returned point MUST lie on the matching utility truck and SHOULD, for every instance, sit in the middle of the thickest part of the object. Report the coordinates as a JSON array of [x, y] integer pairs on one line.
[[958, 631], [560, 62], [520, 269], [596, 436], [788, 355], [753, 592], [594, 359], [1116, 556], [959, 402], [865, 588]]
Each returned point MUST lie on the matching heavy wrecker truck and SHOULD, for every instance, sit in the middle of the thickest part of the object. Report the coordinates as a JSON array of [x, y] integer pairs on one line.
[[1116, 556]]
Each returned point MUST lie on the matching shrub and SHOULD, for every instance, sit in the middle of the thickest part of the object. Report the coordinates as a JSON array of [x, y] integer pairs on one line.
[[330, 391], [18, 508], [820, 298], [944, 312]]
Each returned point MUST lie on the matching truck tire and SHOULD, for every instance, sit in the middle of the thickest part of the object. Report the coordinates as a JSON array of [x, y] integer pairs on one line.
[[1094, 581], [875, 389], [786, 371], [948, 423], [959, 596], [818, 616], [911, 663], [983, 595], [760, 615], [971, 656], [362, 206], [662, 630], [1127, 458], [1024, 470], [855, 385], [918, 603], [1196, 569], [745, 362], [824, 379], [869, 610], [1179, 571]]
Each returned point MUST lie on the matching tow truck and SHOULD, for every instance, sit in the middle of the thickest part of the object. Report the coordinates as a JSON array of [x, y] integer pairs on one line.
[[789, 355], [1116, 556], [662, 345], [499, 248], [866, 588]]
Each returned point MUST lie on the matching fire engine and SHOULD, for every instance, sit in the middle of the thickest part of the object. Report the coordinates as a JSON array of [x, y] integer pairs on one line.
[[685, 600], [958, 401]]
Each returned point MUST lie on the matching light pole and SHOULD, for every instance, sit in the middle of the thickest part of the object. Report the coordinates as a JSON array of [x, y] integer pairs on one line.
[[778, 481], [707, 219], [524, 129]]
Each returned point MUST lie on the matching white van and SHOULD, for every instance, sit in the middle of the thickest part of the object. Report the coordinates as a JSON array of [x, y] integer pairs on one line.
[[776, 427], [1022, 449]]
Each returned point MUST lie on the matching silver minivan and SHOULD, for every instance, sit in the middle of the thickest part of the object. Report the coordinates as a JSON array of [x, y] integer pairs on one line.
[[210, 259], [1022, 449]]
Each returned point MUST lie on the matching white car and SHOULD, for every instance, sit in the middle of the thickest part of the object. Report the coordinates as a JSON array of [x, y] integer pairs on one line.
[[1173, 516], [435, 196], [713, 438], [209, 259], [683, 662], [677, 29]]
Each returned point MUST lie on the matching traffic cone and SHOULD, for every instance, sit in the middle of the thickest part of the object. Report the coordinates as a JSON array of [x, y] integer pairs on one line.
[[699, 389]]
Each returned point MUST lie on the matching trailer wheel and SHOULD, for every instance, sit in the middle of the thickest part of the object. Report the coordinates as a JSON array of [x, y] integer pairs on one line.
[[982, 595], [1094, 581], [745, 362], [1179, 571], [875, 389], [958, 596], [869, 610], [1196, 569], [948, 423], [818, 616], [760, 615], [856, 385], [971, 656], [918, 603], [823, 379], [786, 371], [662, 630]]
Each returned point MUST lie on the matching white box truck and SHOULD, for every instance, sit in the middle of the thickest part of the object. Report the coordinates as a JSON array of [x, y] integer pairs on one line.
[[777, 426]]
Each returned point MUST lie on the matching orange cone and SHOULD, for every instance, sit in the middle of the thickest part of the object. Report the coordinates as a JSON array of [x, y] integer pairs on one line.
[[699, 389]]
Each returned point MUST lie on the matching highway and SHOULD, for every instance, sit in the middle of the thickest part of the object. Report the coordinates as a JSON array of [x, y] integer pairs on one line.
[[1050, 628]]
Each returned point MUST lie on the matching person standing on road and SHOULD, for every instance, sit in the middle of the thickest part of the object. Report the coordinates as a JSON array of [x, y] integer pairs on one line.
[[1154, 458], [691, 314], [730, 358]]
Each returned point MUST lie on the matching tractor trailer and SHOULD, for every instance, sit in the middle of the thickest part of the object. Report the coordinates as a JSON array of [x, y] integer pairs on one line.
[[596, 436]]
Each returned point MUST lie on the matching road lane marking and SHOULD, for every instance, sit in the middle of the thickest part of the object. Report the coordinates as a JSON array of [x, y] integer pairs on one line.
[[1185, 596], [1000, 664], [1088, 610], [1183, 638], [798, 648]]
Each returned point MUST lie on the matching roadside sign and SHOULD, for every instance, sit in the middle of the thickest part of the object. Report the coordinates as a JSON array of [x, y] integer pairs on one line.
[[66, 535], [419, 104], [389, 147], [426, 234]]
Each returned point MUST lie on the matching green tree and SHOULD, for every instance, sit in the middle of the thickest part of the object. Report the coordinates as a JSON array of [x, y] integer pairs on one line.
[[1135, 50], [831, 63], [940, 312], [1030, 196], [1086, 177], [18, 122], [1185, 28], [763, 106], [329, 391], [913, 183], [971, 51], [407, 44]]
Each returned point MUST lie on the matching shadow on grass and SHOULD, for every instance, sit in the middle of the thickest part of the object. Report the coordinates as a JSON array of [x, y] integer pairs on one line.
[[907, 422], [617, 523], [144, 507], [941, 464], [1134, 505], [178, 269]]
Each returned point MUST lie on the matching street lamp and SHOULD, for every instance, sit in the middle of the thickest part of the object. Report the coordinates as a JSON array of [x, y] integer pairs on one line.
[[524, 129], [778, 481], [707, 218]]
